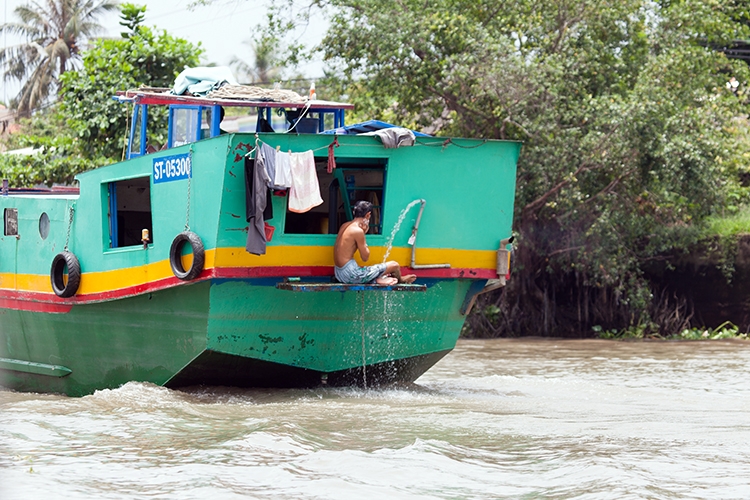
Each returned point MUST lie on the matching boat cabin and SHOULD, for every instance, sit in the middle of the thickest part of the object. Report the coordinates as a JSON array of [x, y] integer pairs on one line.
[[191, 119]]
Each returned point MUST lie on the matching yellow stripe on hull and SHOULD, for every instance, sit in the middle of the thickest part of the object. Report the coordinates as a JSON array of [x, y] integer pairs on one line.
[[276, 256]]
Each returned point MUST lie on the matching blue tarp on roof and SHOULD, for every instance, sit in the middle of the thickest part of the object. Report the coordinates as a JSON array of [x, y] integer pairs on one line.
[[364, 127]]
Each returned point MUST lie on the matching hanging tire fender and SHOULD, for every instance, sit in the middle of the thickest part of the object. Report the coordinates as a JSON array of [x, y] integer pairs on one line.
[[175, 255], [57, 273]]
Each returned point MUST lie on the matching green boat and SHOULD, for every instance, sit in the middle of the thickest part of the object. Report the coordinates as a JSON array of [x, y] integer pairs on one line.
[[141, 273]]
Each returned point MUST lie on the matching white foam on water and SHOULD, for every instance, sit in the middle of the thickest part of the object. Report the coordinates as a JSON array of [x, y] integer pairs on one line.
[[493, 419]]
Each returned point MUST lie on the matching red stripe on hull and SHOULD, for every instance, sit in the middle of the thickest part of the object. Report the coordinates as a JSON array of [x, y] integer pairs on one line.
[[34, 306], [48, 302]]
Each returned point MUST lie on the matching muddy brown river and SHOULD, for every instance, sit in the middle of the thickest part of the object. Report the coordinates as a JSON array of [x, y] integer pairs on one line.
[[494, 419]]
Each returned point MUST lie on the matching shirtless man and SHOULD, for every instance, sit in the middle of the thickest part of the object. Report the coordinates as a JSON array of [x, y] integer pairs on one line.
[[351, 238]]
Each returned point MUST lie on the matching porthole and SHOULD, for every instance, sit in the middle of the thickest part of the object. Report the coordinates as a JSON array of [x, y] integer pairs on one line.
[[44, 225]]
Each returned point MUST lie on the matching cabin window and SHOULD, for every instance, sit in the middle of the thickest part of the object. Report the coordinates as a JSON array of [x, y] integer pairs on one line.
[[185, 125], [352, 180], [136, 132], [11, 221], [129, 212]]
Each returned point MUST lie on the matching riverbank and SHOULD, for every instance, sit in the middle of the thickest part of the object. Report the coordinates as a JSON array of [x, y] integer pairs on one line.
[[712, 281]]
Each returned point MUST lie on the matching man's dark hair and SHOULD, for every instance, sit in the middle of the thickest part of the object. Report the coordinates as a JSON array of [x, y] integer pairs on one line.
[[361, 208]]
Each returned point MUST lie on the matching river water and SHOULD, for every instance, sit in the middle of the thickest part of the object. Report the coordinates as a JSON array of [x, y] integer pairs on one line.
[[494, 419]]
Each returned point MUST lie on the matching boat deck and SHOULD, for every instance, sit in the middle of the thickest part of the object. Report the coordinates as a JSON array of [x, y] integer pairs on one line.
[[341, 287]]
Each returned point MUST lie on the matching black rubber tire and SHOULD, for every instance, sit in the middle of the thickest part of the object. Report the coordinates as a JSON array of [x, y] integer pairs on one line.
[[56, 274], [175, 252]]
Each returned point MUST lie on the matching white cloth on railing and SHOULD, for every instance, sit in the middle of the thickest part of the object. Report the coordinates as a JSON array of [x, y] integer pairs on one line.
[[304, 194]]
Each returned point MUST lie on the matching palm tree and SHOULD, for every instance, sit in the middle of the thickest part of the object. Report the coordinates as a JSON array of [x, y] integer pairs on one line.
[[54, 30], [264, 70]]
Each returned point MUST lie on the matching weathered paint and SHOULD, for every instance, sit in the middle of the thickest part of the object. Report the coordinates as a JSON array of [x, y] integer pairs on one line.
[[145, 338]]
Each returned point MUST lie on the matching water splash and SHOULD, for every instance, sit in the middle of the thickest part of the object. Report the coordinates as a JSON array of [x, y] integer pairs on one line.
[[364, 352], [388, 248], [397, 226]]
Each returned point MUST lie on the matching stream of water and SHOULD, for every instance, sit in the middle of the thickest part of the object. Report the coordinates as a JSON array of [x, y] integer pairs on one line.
[[494, 419], [396, 228]]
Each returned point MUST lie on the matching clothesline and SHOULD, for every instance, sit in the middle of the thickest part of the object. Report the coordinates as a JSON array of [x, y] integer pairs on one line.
[[445, 143], [271, 170], [260, 142]]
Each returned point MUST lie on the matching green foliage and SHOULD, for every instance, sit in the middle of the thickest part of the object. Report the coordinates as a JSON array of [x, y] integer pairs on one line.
[[630, 132], [728, 225], [87, 128], [146, 58], [726, 330], [639, 331], [132, 16], [56, 161]]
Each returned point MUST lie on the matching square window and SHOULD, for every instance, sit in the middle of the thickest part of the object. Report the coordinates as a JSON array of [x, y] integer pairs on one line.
[[129, 212], [11, 222], [353, 180]]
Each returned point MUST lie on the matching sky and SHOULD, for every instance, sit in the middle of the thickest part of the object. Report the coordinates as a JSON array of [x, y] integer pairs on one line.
[[220, 28]]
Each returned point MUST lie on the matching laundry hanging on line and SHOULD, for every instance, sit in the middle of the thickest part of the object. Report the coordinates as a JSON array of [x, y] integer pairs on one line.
[[295, 171], [271, 171], [277, 167], [304, 194], [257, 208]]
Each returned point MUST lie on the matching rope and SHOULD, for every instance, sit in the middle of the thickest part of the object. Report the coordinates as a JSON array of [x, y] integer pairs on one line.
[[443, 144], [447, 143], [302, 114], [190, 178], [256, 94]]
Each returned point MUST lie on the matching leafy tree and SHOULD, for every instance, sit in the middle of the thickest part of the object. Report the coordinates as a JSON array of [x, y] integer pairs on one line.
[[145, 58], [628, 128], [53, 31], [87, 128], [132, 16]]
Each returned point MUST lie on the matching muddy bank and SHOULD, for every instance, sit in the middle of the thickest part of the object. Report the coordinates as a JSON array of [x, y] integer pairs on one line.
[[713, 280]]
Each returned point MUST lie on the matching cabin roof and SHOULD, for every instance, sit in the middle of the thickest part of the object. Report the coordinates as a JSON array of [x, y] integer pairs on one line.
[[367, 127], [230, 96]]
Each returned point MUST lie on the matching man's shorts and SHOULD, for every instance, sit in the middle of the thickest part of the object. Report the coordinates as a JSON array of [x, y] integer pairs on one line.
[[353, 274]]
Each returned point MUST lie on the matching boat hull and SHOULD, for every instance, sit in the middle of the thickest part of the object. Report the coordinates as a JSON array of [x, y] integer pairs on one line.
[[240, 332]]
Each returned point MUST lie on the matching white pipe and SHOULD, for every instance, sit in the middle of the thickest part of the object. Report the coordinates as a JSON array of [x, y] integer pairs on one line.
[[413, 240]]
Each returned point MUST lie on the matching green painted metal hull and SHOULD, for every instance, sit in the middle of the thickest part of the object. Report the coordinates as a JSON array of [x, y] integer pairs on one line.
[[133, 319], [236, 332]]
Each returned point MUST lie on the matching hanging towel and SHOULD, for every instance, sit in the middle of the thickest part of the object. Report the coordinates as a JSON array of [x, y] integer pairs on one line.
[[331, 157], [305, 191], [283, 177]]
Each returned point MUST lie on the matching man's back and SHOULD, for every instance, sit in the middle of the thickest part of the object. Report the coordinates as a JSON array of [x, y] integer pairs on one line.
[[351, 237]]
